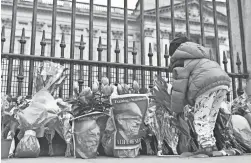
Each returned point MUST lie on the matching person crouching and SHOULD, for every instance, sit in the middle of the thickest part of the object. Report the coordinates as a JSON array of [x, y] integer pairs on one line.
[[200, 82]]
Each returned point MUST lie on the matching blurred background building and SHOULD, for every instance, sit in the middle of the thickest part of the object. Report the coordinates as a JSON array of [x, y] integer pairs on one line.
[[63, 22]]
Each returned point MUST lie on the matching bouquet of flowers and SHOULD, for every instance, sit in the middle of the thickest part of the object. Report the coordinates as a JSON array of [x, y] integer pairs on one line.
[[165, 124], [7, 115], [125, 128], [90, 109], [8, 122], [42, 109], [224, 134]]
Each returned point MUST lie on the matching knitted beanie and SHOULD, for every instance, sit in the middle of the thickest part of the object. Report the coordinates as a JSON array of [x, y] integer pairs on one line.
[[176, 43]]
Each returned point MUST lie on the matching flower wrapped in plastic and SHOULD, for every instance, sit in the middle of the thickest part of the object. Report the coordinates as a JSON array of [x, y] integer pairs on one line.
[[42, 110], [63, 126], [224, 133], [170, 125], [87, 128], [7, 114], [242, 132], [123, 132], [31, 119], [242, 106]]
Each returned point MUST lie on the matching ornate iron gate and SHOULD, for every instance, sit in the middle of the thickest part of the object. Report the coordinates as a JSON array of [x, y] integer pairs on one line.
[[21, 82]]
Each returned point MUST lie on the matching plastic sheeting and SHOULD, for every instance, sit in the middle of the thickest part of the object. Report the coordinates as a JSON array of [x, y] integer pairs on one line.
[[242, 131], [28, 147]]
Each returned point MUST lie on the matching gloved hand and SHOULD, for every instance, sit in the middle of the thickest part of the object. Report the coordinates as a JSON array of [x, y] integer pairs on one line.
[[169, 88]]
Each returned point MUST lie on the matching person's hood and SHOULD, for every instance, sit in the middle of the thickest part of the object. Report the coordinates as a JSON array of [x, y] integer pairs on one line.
[[189, 50]]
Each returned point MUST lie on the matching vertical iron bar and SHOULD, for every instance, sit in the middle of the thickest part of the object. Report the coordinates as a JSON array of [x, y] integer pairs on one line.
[[125, 41], [33, 44], [22, 41], [81, 48], [134, 53], [242, 34], [73, 20], [13, 26], [166, 58], [125, 32], [117, 51], [53, 28], [216, 33], [142, 41], [158, 34], [3, 39], [90, 43], [20, 76], [238, 63], [231, 48], [225, 61], [12, 45], [100, 49], [150, 55], [62, 46], [225, 67], [172, 19], [108, 37], [43, 43], [201, 2], [187, 19]]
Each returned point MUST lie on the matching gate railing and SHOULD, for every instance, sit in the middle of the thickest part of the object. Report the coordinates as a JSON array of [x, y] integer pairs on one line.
[[18, 69], [82, 71]]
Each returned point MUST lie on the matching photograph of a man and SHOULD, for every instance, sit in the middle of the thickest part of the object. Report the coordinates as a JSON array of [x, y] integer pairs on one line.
[[128, 119]]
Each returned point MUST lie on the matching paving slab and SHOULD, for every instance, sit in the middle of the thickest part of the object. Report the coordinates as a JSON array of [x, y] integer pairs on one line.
[[143, 159]]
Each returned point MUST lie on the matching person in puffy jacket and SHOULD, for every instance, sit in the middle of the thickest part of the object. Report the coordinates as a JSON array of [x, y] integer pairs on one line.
[[200, 82]]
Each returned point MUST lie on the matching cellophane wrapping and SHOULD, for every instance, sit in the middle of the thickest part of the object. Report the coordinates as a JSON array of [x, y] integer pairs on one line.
[[28, 146], [31, 119], [242, 131], [166, 125], [43, 108], [242, 106], [62, 126]]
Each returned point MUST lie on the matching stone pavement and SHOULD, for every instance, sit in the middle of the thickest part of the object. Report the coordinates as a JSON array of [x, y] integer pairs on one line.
[[143, 159]]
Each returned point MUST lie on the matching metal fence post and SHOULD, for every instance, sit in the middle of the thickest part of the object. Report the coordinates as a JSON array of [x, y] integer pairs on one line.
[[81, 48], [20, 76], [117, 51]]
